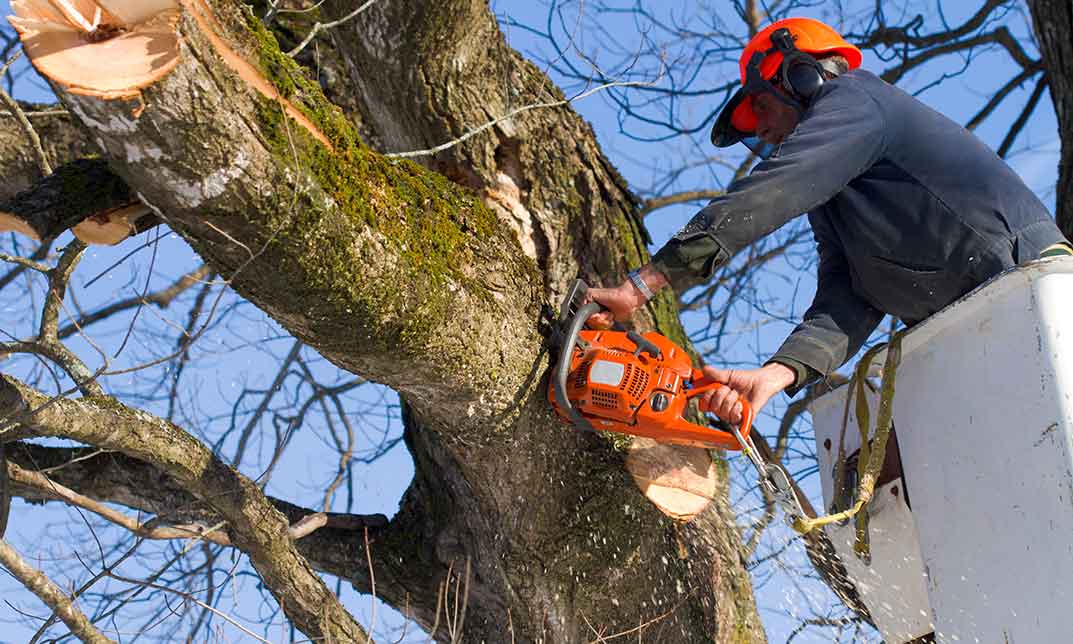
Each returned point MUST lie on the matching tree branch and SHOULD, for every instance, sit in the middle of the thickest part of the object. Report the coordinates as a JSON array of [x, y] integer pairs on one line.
[[332, 542], [1022, 118], [254, 525], [40, 585], [72, 193]]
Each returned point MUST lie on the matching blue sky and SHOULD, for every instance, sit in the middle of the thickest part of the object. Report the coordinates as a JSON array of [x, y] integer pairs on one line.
[[243, 352]]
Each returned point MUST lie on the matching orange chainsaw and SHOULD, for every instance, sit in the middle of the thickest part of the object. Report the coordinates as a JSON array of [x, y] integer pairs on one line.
[[626, 382], [623, 381]]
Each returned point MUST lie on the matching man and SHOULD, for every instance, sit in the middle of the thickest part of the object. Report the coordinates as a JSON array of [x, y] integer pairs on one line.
[[909, 210]]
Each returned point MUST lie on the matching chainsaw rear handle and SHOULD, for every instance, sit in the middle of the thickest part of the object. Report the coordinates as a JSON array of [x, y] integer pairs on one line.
[[704, 385], [562, 369]]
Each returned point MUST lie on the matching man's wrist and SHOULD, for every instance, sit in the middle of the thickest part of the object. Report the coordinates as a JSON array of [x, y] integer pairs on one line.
[[646, 281], [781, 375], [639, 283]]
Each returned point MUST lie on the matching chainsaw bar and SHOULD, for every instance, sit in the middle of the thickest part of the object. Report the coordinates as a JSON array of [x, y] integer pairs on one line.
[[776, 481], [773, 479]]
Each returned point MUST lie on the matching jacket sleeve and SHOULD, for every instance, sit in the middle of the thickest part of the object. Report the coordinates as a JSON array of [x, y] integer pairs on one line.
[[839, 137], [839, 321]]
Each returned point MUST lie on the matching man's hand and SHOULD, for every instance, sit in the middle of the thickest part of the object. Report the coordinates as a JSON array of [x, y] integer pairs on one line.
[[621, 301], [619, 304], [756, 386]]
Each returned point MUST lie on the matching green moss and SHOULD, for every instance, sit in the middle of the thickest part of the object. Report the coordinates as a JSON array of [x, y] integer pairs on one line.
[[430, 222]]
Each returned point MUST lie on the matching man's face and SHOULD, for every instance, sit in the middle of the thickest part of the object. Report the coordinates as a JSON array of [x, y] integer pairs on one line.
[[775, 119]]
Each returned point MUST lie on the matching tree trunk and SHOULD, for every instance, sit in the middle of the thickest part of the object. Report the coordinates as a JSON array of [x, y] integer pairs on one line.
[[1053, 22], [398, 274]]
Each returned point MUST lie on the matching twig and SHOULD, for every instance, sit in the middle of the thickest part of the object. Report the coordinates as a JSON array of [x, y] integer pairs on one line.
[[511, 114], [45, 484], [25, 263], [681, 197], [281, 375], [327, 25], [372, 591], [189, 597], [161, 298], [24, 123], [1022, 118], [40, 113]]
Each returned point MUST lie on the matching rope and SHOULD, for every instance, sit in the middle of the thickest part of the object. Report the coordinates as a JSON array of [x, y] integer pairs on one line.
[[870, 460]]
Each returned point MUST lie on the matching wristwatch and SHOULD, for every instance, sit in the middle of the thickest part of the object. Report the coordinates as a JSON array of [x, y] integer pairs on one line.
[[635, 277]]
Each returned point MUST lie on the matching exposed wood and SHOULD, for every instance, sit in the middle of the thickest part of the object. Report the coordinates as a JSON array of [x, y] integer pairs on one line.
[[680, 481]]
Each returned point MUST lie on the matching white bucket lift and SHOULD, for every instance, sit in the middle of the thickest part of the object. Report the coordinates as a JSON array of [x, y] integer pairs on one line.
[[975, 540]]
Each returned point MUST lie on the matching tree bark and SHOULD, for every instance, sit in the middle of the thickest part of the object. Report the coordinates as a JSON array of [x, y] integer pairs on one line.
[[61, 139], [253, 524], [1053, 22], [393, 272]]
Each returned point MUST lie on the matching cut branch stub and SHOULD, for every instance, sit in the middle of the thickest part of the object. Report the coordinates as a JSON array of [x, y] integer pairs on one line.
[[109, 49], [680, 481], [84, 196]]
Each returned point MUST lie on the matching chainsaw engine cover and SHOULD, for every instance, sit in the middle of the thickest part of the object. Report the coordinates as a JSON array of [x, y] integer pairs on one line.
[[619, 388]]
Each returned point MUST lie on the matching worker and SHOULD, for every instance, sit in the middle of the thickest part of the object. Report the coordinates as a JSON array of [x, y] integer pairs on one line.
[[909, 210]]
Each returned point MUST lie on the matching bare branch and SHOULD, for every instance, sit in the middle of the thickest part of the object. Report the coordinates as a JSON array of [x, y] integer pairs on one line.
[[42, 586], [162, 298], [681, 197], [1022, 118], [256, 527], [511, 114]]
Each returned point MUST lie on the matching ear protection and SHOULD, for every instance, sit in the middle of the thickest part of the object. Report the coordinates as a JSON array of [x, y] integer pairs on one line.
[[800, 73]]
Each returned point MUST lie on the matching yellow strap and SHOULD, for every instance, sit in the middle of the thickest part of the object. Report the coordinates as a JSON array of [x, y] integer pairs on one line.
[[1057, 250], [870, 461]]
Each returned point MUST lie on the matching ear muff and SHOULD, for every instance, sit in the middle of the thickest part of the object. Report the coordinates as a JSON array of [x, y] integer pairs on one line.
[[801, 74]]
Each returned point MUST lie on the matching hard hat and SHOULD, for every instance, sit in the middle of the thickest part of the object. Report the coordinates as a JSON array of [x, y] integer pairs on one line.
[[778, 48]]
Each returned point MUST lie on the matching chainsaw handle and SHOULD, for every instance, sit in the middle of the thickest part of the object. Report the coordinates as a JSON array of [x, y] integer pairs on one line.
[[747, 412], [566, 352]]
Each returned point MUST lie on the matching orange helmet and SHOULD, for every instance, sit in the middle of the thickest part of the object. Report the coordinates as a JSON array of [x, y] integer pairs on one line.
[[764, 57]]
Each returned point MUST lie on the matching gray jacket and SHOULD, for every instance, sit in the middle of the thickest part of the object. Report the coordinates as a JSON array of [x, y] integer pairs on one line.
[[909, 210]]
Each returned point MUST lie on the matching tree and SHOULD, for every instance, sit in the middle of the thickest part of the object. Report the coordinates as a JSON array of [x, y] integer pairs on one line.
[[393, 272], [1054, 29], [433, 279]]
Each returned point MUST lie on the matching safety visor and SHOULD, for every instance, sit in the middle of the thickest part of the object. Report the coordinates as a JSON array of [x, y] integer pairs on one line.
[[737, 120]]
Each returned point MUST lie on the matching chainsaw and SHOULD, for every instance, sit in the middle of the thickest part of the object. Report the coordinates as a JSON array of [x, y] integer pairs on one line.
[[642, 384]]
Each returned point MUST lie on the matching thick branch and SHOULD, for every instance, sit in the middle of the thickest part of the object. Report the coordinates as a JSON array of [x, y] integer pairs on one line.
[[254, 525], [73, 192], [61, 139], [404, 560]]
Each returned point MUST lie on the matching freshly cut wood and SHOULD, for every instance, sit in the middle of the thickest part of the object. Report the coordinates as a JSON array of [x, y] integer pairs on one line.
[[680, 481], [110, 228], [111, 51], [12, 223]]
